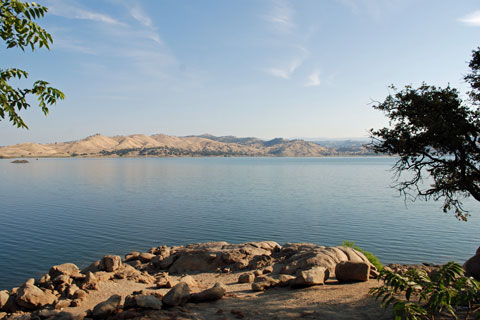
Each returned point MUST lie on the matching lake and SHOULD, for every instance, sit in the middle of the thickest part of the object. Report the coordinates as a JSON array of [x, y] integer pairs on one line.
[[77, 210]]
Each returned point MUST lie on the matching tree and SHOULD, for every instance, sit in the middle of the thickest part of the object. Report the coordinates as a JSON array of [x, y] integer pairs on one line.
[[17, 29], [436, 136]]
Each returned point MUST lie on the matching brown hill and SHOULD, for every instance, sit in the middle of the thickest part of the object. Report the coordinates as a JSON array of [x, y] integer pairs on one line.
[[160, 145]]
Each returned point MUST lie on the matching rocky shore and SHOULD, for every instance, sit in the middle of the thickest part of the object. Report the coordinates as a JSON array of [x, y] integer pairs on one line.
[[215, 280]]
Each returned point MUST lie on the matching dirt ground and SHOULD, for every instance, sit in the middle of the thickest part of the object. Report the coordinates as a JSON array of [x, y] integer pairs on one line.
[[330, 301]]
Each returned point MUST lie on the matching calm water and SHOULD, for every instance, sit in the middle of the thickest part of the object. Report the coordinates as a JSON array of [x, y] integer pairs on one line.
[[76, 210]]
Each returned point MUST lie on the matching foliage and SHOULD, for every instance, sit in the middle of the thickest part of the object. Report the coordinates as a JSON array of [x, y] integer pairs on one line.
[[18, 29], [416, 295], [370, 256], [436, 136]]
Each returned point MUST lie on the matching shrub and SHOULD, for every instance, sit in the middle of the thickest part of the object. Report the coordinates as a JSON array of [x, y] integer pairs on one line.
[[370, 256], [416, 295]]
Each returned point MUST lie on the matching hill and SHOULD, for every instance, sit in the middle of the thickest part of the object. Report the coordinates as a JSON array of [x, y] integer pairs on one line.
[[160, 145]]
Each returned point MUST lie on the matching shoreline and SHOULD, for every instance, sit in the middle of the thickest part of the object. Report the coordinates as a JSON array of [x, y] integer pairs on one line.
[[249, 280]]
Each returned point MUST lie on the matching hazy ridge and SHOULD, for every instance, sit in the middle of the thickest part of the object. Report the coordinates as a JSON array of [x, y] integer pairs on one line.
[[160, 145]]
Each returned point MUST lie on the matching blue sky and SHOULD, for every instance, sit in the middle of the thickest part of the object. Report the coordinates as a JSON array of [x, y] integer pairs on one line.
[[264, 68]]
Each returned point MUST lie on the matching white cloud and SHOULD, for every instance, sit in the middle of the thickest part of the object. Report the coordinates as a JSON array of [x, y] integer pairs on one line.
[[286, 71], [281, 16], [472, 19], [314, 79], [138, 14], [72, 11]]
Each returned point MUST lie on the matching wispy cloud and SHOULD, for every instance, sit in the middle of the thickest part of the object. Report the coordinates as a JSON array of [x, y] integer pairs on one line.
[[373, 8], [280, 16], [471, 19], [287, 69], [314, 79], [138, 14], [73, 11]]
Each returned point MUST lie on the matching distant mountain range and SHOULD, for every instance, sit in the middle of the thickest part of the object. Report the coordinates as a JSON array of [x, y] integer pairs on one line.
[[160, 145]]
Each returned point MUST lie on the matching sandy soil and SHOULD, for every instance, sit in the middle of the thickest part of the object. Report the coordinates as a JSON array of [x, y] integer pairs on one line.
[[330, 301]]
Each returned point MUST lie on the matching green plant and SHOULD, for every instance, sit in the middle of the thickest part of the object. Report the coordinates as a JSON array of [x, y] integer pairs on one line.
[[416, 295], [370, 256], [18, 30]]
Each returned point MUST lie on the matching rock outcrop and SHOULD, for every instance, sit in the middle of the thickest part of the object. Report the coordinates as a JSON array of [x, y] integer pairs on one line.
[[472, 266], [263, 264]]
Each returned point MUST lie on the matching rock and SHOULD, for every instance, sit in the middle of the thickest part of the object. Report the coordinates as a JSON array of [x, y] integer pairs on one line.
[[44, 280], [80, 295], [90, 283], [166, 263], [352, 271], [162, 279], [285, 280], [31, 297], [311, 277], [72, 289], [94, 267], [195, 261], [4, 296], [63, 303], [68, 269], [76, 302], [132, 256], [178, 295], [10, 305], [171, 283], [106, 308], [103, 276], [145, 257], [148, 302], [190, 281], [472, 266], [212, 294], [268, 269], [60, 279], [257, 273], [111, 263], [246, 278], [30, 281], [264, 282]]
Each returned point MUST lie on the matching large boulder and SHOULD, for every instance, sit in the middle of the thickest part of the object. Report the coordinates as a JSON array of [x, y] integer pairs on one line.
[[202, 261], [212, 294], [31, 297], [106, 308], [352, 271], [472, 266], [68, 269], [111, 263], [311, 277], [178, 295], [264, 282], [143, 301]]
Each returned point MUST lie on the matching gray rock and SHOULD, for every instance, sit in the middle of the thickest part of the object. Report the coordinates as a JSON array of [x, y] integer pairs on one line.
[[178, 295], [311, 277], [352, 271], [212, 294], [111, 263], [106, 308]]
